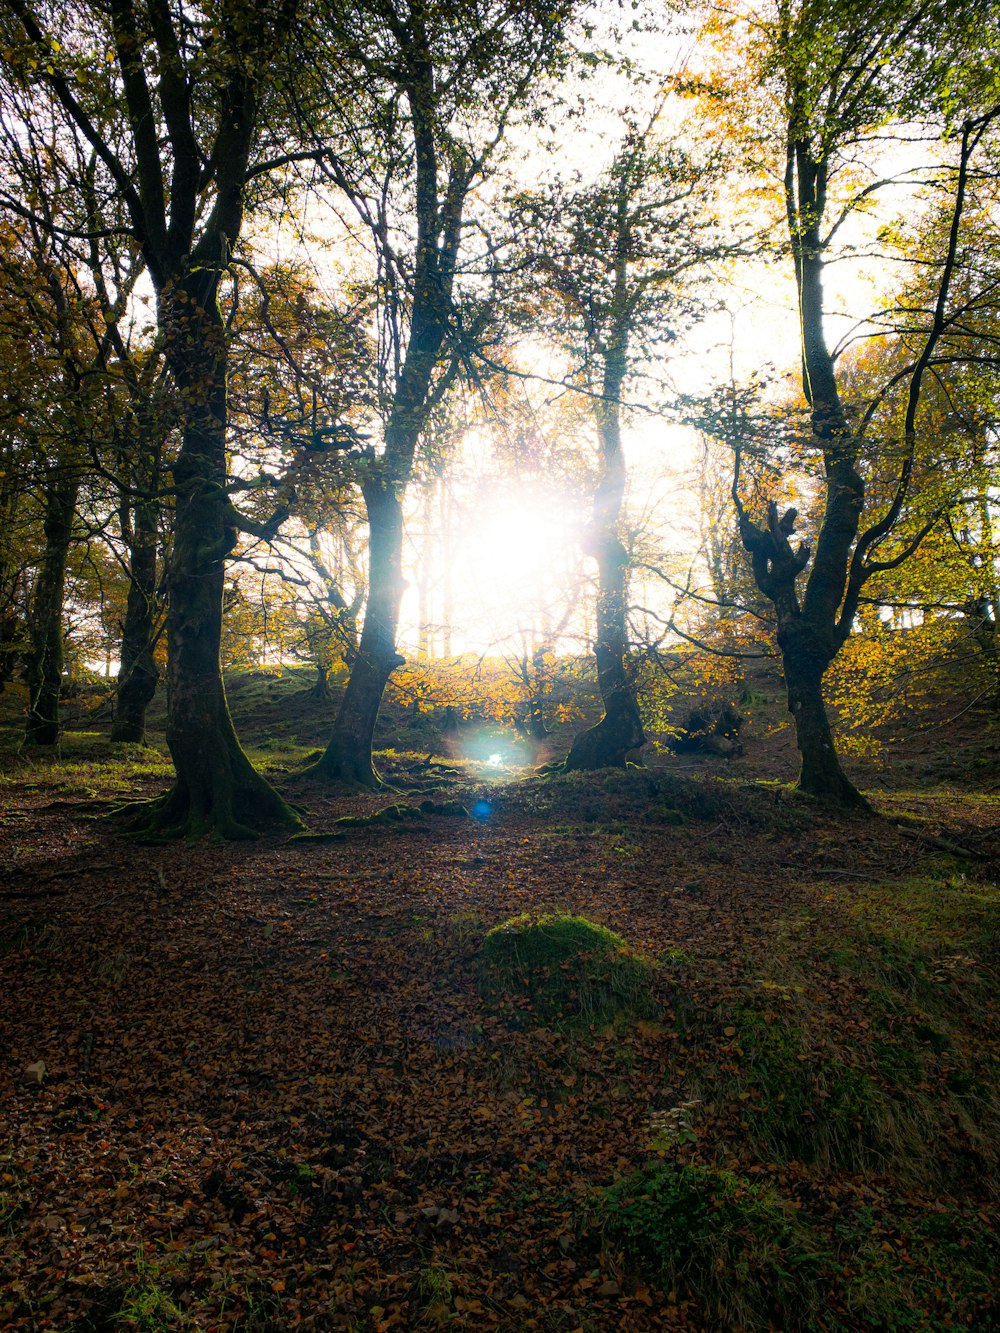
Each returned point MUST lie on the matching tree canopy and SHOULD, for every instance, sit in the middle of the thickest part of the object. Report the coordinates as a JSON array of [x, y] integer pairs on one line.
[[291, 273]]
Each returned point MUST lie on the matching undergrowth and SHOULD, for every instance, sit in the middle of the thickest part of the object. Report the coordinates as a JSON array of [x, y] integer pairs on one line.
[[731, 1243], [562, 968]]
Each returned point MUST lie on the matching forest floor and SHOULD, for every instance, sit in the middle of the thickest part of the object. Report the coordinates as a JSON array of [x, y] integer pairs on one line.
[[282, 1090]]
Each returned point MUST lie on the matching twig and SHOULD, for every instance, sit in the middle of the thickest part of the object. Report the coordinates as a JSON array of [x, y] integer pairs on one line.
[[942, 844]]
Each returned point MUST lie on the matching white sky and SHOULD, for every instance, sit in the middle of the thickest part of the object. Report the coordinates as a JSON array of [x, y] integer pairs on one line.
[[509, 558]]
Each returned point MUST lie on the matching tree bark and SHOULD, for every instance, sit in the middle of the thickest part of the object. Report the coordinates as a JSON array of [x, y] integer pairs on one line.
[[320, 688], [11, 575], [216, 787], [608, 743], [348, 756], [531, 724], [820, 773], [176, 142], [138, 673], [439, 195], [44, 657], [813, 628]]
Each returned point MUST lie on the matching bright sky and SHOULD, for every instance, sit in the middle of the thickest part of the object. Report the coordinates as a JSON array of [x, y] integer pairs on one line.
[[502, 561]]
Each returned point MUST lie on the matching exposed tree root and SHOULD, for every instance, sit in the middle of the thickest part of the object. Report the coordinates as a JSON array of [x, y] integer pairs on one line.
[[842, 798], [397, 815], [181, 813]]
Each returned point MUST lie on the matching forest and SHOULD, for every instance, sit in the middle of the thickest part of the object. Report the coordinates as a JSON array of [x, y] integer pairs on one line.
[[499, 665]]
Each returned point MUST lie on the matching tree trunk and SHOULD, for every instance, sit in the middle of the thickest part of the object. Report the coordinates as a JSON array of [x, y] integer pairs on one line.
[[982, 612], [532, 724], [820, 773], [44, 657], [348, 756], [320, 689], [811, 629], [608, 743], [138, 673], [216, 786], [10, 579]]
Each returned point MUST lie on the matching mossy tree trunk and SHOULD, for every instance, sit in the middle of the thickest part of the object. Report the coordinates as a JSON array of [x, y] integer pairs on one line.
[[43, 661], [216, 786], [140, 525]]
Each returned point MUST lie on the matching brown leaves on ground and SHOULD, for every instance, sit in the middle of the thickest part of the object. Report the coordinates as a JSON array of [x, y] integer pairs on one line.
[[273, 1097]]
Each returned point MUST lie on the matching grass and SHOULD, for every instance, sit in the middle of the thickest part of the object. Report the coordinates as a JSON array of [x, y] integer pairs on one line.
[[898, 1097], [563, 969], [752, 1260], [433, 1296], [730, 1242], [911, 1090], [85, 761], [940, 1270]]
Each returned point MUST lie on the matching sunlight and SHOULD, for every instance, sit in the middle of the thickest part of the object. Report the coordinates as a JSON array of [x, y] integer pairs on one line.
[[506, 571]]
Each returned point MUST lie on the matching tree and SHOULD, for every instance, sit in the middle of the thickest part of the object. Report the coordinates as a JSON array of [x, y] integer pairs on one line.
[[302, 395], [113, 394], [439, 86], [19, 397], [840, 74], [617, 261], [57, 418], [141, 425], [174, 118]]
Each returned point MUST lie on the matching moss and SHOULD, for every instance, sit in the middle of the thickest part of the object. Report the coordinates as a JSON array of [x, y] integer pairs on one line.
[[561, 967]]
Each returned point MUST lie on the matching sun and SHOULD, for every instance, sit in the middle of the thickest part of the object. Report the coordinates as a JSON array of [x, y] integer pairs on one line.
[[509, 570]]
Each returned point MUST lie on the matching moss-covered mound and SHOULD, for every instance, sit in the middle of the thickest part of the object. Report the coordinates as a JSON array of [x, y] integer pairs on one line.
[[562, 967], [728, 1241], [639, 796]]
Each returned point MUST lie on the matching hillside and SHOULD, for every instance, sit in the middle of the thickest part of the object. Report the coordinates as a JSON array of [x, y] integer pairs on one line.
[[298, 1084]]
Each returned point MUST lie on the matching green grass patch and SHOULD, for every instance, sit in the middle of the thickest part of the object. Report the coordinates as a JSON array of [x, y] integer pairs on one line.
[[752, 1261], [85, 763], [730, 1243], [937, 1270], [802, 1101], [562, 968]]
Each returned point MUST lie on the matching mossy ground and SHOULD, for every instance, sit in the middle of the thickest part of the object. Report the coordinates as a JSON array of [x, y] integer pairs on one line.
[[559, 968], [748, 1080]]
